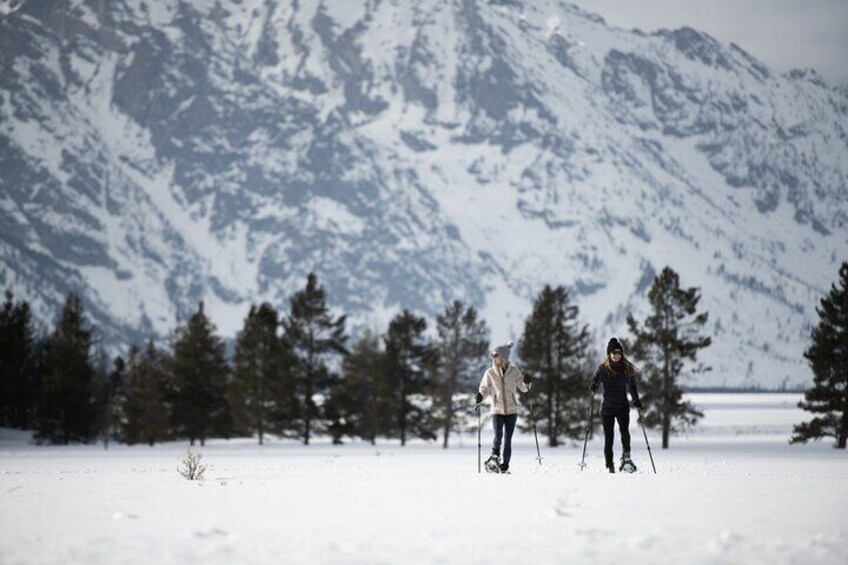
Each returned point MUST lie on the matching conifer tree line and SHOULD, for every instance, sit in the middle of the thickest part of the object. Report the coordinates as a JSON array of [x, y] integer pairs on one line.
[[295, 373], [827, 399]]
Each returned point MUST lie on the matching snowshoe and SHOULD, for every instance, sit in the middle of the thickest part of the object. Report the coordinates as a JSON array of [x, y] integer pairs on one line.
[[627, 464], [493, 464]]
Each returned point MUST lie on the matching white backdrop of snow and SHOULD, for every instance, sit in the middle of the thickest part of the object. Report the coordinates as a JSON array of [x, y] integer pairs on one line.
[[732, 491]]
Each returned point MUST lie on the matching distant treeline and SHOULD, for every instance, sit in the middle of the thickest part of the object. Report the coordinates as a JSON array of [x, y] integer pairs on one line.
[[294, 373]]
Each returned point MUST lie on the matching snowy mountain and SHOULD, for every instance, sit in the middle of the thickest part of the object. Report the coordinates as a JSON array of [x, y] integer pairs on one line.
[[153, 154]]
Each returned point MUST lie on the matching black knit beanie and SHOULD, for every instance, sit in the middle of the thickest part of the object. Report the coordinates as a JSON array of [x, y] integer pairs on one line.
[[613, 345]]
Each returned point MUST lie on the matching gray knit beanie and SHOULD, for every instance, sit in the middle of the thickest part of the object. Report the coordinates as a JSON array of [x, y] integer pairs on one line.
[[503, 350]]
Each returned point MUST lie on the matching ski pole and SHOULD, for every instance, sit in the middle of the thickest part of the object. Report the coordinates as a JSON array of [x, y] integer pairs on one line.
[[646, 441], [535, 435], [588, 427], [479, 444]]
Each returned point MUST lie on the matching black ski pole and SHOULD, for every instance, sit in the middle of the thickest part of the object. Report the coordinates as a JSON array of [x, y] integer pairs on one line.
[[535, 435], [479, 444], [588, 428], [646, 441]]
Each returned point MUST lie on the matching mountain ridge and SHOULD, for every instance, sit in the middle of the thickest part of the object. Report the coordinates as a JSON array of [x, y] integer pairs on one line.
[[410, 154]]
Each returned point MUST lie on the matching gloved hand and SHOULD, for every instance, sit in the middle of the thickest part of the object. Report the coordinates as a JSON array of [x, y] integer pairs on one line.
[[637, 403], [479, 398], [526, 380]]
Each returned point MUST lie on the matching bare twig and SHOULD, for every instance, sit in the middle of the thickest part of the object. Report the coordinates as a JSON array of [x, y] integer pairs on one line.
[[190, 466]]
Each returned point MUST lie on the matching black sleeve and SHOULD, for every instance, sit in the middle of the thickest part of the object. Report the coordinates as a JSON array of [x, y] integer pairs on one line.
[[634, 392], [596, 381]]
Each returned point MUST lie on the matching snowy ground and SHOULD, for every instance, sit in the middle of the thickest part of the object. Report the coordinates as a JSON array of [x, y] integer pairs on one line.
[[733, 491]]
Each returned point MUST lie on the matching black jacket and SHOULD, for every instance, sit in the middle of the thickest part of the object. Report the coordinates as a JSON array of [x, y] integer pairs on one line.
[[615, 389]]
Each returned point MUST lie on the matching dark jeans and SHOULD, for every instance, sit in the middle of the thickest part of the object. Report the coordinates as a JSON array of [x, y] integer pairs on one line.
[[501, 422], [609, 433]]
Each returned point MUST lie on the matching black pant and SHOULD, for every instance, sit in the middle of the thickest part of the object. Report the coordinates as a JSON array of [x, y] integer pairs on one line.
[[500, 422], [609, 433]]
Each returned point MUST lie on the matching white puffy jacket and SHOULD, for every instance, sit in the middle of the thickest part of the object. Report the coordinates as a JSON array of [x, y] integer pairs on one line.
[[502, 386]]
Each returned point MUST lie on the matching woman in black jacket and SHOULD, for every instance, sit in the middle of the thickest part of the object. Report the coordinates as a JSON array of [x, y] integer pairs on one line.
[[617, 373]]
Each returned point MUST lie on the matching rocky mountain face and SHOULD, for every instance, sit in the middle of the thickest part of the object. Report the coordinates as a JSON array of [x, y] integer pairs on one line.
[[153, 154]]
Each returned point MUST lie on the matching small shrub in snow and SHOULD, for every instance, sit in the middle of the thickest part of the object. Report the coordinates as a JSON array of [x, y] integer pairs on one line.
[[190, 466]]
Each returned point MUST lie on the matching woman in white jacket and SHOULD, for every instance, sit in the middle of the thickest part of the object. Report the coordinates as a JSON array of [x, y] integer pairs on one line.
[[501, 381]]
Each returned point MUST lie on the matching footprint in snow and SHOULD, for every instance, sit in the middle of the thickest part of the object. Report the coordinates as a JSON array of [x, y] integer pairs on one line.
[[212, 533], [564, 508]]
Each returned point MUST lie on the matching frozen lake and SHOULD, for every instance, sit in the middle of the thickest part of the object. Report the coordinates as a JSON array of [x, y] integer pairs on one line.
[[732, 491]]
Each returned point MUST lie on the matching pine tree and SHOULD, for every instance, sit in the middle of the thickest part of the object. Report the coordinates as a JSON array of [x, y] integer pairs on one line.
[[828, 357], [407, 354], [131, 404], [68, 407], [315, 337], [554, 347], [262, 392], [463, 342], [144, 410], [359, 399], [110, 394], [670, 337], [200, 373], [17, 364]]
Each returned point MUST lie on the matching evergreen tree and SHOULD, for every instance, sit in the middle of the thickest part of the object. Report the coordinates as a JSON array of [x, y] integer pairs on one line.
[[554, 347], [407, 354], [144, 409], [359, 398], [68, 407], [262, 392], [200, 373], [17, 364], [463, 342], [110, 393], [38, 380], [669, 337], [828, 357], [131, 404], [315, 337]]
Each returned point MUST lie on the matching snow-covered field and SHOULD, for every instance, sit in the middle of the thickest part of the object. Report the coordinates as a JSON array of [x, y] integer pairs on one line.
[[733, 491]]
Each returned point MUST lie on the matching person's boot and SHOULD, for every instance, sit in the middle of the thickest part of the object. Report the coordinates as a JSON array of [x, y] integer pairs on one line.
[[505, 469], [493, 463], [611, 468], [627, 465]]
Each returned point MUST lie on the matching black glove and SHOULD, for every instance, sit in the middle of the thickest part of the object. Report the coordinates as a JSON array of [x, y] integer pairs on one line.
[[526, 380], [593, 387], [479, 398], [637, 403]]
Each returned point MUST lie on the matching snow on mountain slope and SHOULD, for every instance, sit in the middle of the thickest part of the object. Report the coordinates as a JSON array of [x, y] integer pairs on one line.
[[411, 153]]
